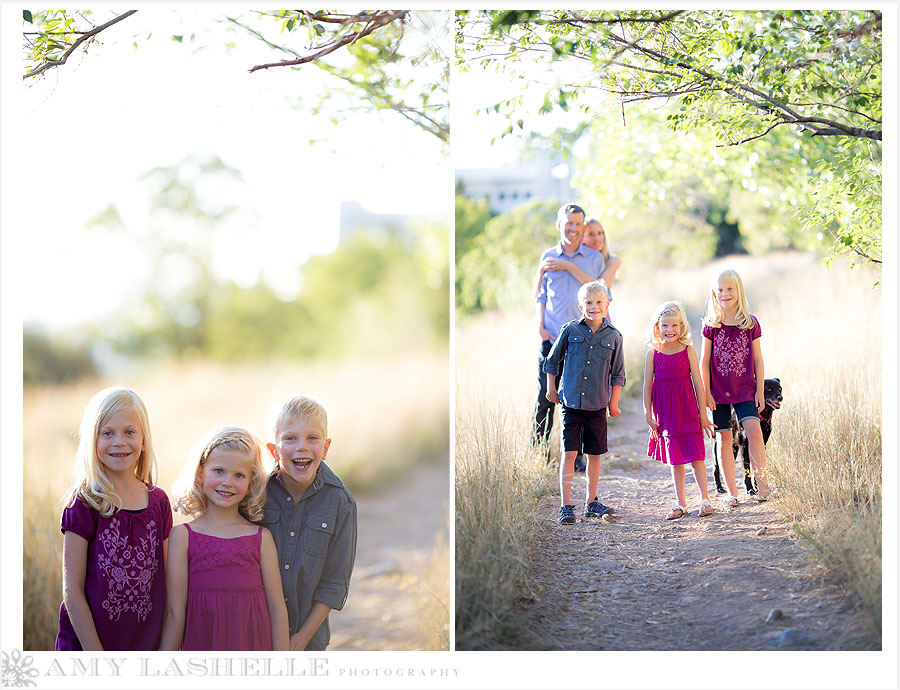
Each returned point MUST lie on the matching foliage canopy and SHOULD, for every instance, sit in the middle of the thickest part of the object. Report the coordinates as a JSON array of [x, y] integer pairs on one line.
[[387, 60], [748, 76]]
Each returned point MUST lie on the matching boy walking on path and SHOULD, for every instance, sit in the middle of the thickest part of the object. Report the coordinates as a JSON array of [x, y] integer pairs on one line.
[[557, 301], [589, 355]]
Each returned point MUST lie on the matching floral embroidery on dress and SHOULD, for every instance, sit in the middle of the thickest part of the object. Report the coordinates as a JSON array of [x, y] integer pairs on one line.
[[129, 568], [731, 353]]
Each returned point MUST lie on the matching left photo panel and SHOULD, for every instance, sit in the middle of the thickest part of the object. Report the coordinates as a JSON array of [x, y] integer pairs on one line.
[[228, 243]]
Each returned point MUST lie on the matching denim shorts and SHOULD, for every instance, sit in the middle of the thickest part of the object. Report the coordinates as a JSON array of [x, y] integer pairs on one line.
[[584, 431], [743, 410]]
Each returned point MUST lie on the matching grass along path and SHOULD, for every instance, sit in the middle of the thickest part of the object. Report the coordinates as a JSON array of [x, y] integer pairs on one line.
[[639, 582]]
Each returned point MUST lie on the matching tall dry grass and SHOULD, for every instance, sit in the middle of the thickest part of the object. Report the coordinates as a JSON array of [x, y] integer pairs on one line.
[[380, 416], [821, 336], [499, 478], [825, 452]]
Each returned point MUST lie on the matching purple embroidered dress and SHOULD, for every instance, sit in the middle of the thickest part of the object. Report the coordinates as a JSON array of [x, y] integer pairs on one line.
[[675, 409], [731, 373], [124, 581]]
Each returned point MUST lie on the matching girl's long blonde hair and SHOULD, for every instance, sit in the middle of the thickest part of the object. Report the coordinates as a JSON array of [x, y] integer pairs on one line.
[[714, 314], [92, 485], [671, 308], [193, 501]]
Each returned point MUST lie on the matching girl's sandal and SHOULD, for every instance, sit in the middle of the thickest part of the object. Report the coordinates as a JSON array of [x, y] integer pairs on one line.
[[706, 508], [731, 502], [770, 494], [677, 513]]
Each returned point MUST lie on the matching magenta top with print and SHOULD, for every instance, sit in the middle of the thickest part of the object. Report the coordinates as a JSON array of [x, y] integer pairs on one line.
[[732, 379], [124, 581]]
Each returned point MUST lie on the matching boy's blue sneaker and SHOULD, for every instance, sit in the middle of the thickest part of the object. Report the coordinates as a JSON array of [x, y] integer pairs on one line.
[[566, 515], [596, 509]]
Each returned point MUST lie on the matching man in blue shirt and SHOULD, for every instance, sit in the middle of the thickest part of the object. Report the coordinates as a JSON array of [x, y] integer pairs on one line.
[[565, 268]]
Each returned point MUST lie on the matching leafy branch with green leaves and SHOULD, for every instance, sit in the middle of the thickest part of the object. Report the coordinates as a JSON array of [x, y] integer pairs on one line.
[[742, 74], [381, 60]]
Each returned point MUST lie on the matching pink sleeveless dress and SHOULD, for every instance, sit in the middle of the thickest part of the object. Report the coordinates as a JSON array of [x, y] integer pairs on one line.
[[675, 409], [226, 601]]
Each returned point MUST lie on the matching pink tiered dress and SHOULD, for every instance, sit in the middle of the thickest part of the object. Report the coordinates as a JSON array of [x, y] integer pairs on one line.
[[226, 603], [675, 409]]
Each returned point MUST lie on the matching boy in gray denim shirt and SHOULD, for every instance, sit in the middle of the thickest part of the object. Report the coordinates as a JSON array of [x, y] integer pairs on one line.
[[312, 517], [589, 354]]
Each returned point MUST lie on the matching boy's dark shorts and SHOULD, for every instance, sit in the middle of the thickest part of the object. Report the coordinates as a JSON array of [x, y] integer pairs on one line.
[[743, 410], [584, 430]]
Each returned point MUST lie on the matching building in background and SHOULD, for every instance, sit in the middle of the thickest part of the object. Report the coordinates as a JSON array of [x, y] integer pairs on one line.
[[544, 177], [355, 218]]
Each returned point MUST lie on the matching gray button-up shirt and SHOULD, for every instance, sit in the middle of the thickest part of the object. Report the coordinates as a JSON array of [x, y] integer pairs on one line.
[[591, 362], [316, 542]]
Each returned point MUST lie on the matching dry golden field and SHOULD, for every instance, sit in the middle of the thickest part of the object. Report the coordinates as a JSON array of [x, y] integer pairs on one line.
[[821, 337], [382, 417]]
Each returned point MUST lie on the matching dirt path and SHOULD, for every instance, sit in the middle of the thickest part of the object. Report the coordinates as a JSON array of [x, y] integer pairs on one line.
[[399, 530], [639, 582]]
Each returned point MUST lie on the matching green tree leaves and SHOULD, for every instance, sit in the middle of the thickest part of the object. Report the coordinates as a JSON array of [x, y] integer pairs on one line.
[[806, 81]]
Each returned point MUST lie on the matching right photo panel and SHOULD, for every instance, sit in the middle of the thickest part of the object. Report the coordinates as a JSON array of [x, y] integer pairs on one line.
[[668, 331]]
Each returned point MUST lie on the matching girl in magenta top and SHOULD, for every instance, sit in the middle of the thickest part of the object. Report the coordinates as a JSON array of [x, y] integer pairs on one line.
[[115, 527], [223, 583], [674, 404], [733, 377]]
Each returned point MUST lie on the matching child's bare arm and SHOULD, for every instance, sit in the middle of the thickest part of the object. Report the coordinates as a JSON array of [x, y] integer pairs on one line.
[[648, 393], [552, 393], [697, 383], [75, 548], [271, 577], [759, 371], [614, 410], [176, 590]]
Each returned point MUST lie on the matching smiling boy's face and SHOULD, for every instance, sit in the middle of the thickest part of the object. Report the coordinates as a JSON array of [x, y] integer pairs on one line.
[[594, 307], [299, 448]]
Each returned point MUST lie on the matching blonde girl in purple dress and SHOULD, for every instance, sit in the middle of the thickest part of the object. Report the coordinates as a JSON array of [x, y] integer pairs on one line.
[[222, 578], [673, 404], [115, 526], [734, 377]]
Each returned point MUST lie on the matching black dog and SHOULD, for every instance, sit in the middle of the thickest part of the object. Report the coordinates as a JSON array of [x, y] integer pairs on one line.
[[739, 444]]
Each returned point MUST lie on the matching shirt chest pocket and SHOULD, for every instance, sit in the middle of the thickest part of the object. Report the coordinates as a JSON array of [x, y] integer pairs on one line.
[[319, 530], [598, 353], [576, 344], [604, 350]]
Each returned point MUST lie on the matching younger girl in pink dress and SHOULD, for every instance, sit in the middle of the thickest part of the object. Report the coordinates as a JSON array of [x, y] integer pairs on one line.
[[222, 580], [672, 395]]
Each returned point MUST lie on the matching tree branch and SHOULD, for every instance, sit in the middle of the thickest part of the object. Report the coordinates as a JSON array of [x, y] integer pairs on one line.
[[374, 22], [47, 64], [575, 19], [832, 127], [757, 136]]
